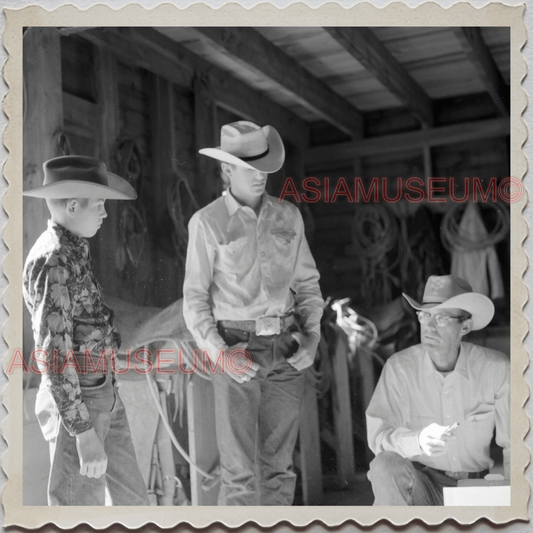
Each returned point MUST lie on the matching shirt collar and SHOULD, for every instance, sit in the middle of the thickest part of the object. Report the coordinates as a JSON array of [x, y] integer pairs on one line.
[[67, 236], [460, 366], [232, 205]]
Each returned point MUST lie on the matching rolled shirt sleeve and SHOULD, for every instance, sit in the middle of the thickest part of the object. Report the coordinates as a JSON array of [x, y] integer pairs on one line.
[[384, 419]]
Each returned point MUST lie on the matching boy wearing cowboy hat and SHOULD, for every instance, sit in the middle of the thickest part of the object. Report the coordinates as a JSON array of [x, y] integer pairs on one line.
[[432, 416], [249, 269], [78, 406]]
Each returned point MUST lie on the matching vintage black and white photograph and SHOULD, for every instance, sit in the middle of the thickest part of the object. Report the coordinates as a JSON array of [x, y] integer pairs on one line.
[[267, 265]]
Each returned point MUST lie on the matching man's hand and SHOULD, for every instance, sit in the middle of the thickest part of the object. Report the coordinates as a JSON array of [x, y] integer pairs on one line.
[[435, 439], [244, 376], [306, 353], [93, 459]]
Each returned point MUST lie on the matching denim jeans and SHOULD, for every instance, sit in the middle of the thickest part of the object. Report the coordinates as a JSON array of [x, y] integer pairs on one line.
[[397, 481], [257, 423], [123, 478]]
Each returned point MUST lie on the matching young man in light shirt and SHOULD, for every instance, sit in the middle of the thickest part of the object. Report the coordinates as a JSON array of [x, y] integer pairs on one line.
[[432, 416], [251, 283]]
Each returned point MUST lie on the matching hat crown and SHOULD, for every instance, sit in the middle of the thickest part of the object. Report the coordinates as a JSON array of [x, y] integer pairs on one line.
[[75, 168], [441, 288], [243, 139]]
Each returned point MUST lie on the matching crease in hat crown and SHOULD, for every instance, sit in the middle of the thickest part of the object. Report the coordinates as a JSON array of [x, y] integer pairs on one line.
[[243, 139], [248, 145], [76, 176], [451, 292], [441, 288]]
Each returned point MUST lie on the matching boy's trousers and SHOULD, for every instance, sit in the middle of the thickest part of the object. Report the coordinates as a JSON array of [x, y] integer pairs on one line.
[[123, 478]]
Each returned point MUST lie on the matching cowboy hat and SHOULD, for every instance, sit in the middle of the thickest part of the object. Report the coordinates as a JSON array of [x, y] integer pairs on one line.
[[247, 145], [77, 176], [451, 292]]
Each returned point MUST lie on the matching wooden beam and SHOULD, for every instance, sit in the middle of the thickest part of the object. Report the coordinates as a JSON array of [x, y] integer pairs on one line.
[[364, 46], [255, 52], [149, 49], [479, 54], [413, 140]]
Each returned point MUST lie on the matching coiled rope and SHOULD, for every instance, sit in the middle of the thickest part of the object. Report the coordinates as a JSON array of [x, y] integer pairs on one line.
[[453, 239]]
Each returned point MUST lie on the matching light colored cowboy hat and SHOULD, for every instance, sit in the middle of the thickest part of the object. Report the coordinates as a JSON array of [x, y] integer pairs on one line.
[[451, 292], [247, 145], [77, 176]]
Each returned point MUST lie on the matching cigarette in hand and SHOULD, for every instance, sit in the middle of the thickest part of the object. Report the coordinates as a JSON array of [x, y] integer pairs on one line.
[[451, 429]]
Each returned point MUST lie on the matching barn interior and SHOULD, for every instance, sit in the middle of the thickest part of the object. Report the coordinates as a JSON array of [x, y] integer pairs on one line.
[[361, 112]]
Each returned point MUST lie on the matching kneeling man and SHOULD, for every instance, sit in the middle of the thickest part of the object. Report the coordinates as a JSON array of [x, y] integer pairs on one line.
[[432, 416]]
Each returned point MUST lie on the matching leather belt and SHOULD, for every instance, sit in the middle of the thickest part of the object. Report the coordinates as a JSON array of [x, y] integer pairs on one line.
[[455, 475], [268, 325]]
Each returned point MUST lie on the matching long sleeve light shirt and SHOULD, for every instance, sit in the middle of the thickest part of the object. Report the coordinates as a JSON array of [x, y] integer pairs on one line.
[[411, 394], [68, 317], [243, 266]]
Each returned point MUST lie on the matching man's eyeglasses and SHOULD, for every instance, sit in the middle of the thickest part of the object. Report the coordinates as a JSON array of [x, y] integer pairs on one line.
[[441, 320]]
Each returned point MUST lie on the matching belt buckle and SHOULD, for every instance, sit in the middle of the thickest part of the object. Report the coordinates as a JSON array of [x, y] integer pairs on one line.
[[269, 325]]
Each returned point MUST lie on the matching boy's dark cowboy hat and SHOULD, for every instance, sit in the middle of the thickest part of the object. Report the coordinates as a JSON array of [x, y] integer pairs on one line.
[[451, 292], [247, 145], [77, 176]]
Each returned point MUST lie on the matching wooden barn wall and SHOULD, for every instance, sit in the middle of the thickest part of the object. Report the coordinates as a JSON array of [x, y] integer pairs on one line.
[[118, 112], [342, 271], [133, 253]]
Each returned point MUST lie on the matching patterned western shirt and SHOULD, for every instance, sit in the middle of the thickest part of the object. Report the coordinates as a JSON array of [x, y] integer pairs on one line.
[[69, 320]]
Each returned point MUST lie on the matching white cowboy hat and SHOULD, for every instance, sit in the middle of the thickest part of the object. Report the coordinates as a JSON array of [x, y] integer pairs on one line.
[[451, 292], [247, 145], [77, 176]]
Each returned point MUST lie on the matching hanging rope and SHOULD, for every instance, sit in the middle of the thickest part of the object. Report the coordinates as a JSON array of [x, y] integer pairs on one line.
[[451, 236], [132, 232], [181, 205], [374, 233], [173, 438], [133, 227], [374, 236]]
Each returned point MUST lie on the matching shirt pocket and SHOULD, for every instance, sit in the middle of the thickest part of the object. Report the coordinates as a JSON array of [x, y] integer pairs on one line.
[[480, 424], [284, 242], [231, 255]]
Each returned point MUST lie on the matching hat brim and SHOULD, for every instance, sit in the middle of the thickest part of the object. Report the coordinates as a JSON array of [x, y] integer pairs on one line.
[[117, 189], [478, 305], [272, 162]]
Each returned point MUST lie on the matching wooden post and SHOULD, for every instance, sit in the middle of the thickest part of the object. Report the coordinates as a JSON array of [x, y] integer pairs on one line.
[[43, 117], [428, 163], [342, 412], [311, 462], [205, 121], [105, 253], [203, 448]]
